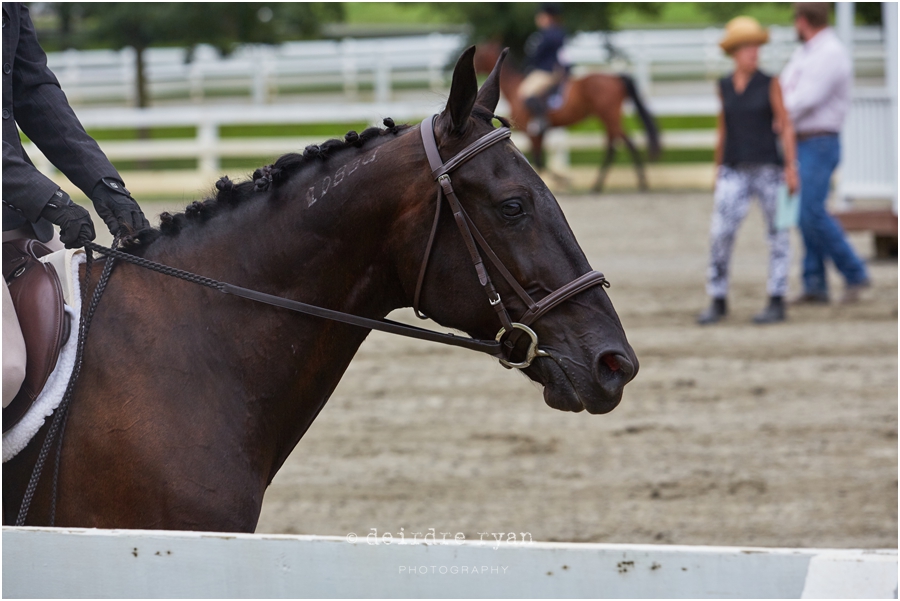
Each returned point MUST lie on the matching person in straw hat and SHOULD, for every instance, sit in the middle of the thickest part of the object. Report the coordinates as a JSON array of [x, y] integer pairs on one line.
[[749, 163]]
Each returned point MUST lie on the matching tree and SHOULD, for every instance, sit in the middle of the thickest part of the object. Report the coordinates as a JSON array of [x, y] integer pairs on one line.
[[513, 22], [223, 25]]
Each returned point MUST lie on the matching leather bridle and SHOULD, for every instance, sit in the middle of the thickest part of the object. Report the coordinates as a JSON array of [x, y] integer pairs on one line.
[[505, 341], [473, 239]]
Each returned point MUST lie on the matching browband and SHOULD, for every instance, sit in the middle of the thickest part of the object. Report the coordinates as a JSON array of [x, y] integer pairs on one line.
[[438, 166]]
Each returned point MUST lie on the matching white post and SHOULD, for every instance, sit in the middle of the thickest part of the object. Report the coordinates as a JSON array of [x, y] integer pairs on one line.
[[195, 80], [260, 84], [889, 18], [557, 149], [208, 142], [642, 66], [382, 77], [349, 69], [128, 57], [435, 64], [843, 21], [844, 16]]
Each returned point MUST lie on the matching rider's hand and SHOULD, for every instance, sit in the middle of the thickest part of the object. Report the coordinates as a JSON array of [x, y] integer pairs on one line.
[[75, 225], [117, 208]]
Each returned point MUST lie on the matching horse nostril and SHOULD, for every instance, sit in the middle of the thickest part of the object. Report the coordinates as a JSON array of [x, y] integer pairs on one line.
[[611, 362], [617, 363]]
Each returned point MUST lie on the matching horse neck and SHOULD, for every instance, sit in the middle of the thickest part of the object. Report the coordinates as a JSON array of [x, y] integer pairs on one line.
[[323, 241]]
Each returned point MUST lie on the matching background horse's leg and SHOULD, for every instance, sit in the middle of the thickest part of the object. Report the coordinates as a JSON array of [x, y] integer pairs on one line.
[[638, 163], [607, 162]]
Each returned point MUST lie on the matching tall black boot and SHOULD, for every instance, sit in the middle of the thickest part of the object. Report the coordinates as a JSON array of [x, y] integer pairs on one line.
[[538, 123], [773, 313], [716, 311]]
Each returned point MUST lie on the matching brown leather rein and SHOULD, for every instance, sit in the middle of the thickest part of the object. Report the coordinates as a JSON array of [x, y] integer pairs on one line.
[[473, 239]]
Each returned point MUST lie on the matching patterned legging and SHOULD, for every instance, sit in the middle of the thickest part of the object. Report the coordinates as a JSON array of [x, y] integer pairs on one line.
[[734, 187]]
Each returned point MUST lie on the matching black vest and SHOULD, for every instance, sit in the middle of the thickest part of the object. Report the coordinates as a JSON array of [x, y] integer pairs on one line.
[[749, 137]]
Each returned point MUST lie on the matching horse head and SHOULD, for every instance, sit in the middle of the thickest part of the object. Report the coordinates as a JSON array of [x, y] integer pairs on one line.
[[585, 359]]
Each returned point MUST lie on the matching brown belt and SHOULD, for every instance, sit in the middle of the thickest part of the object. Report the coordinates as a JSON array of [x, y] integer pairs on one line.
[[802, 137]]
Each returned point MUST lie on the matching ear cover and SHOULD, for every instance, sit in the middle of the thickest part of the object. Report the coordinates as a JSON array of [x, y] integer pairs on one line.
[[489, 94], [463, 91]]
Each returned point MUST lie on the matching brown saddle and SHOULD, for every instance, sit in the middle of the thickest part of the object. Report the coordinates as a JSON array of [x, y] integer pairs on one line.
[[38, 298]]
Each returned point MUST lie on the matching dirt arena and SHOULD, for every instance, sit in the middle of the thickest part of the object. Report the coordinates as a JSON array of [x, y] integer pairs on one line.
[[735, 434]]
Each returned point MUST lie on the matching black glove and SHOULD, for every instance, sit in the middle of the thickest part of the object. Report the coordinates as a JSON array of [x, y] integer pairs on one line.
[[75, 225], [116, 207]]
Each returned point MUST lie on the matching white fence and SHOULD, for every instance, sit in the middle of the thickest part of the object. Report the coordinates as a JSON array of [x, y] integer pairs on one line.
[[258, 71], [267, 73], [868, 157], [208, 147], [676, 67], [77, 563]]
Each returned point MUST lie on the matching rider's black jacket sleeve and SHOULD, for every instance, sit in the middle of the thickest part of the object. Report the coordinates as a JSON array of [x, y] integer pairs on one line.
[[33, 100]]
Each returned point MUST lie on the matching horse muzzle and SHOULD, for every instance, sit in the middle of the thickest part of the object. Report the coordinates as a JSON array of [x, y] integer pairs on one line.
[[595, 386]]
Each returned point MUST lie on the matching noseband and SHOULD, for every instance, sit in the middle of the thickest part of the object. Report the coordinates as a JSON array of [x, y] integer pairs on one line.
[[473, 239]]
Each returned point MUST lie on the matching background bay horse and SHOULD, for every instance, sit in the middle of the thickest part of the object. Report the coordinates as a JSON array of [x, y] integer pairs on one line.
[[190, 401], [597, 94]]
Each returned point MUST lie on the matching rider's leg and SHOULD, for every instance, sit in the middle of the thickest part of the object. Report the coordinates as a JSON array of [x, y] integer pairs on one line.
[[13, 350], [13, 342], [533, 89]]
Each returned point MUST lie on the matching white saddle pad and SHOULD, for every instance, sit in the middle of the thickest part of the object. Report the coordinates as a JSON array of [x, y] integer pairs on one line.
[[66, 263]]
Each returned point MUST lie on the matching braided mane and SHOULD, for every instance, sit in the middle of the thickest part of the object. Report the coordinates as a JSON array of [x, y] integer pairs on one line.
[[230, 194]]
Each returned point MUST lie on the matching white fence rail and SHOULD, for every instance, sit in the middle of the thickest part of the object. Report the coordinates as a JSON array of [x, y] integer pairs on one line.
[[76, 563], [268, 73]]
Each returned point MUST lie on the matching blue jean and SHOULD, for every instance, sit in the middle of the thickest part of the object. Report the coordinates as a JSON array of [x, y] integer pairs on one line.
[[822, 235]]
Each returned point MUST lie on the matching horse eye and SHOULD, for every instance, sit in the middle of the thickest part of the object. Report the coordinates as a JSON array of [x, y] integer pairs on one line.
[[512, 209]]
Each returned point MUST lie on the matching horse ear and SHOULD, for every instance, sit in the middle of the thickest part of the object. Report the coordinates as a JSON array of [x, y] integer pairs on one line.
[[463, 90], [489, 94]]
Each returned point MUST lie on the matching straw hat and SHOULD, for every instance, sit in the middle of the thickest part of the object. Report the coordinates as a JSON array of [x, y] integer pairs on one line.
[[743, 30]]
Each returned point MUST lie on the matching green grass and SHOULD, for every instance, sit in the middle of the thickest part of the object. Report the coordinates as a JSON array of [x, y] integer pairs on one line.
[[155, 133], [325, 131], [689, 14], [336, 130], [392, 13], [674, 156], [672, 15], [317, 130], [155, 164], [633, 123], [239, 165]]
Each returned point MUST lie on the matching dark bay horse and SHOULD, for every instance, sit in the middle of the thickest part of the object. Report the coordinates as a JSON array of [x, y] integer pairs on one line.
[[190, 400], [598, 94]]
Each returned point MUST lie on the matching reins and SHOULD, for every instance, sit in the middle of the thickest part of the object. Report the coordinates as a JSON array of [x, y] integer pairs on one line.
[[501, 347], [490, 347], [61, 414]]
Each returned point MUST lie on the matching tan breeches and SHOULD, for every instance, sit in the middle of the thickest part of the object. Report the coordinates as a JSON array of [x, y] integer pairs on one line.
[[538, 83]]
